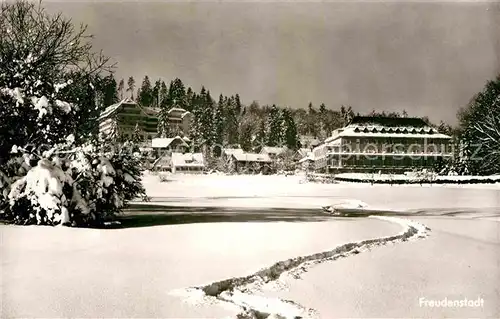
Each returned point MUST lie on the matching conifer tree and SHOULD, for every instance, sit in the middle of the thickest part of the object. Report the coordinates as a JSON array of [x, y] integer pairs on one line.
[[291, 138], [163, 98], [261, 138], [131, 86], [121, 87], [218, 125], [155, 94], [145, 95], [237, 104], [109, 90], [177, 94], [274, 137], [189, 100], [231, 120], [136, 136], [246, 135]]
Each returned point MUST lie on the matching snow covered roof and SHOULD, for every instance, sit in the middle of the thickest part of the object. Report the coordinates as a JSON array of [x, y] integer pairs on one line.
[[388, 121], [231, 151], [151, 110], [165, 142], [113, 108], [383, 132], [303, 152], [188, 159], [273, 150], [251, 157], [177, 112], [305, 159]]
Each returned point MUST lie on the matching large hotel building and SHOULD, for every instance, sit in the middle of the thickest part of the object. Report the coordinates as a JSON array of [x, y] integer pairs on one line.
[[383, 144], [120, 119]]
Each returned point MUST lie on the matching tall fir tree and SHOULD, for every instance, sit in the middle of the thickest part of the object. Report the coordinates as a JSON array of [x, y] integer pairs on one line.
[[207, 104], [323, 118], [163, 125], [237, 105], [145, 95], [291, 138], [218, 125], [177, 94], [163, 98], [155, 94], [137, 136], [131, 86], [120, 89], [231, 120], [274, 138], [189, 100], [261, 138], [109, 89], [198, 128], [246, 135]]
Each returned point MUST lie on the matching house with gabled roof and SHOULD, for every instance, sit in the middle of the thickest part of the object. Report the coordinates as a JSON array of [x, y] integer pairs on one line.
[[250, 163], [273, 151], [169, 145], [187, 163]]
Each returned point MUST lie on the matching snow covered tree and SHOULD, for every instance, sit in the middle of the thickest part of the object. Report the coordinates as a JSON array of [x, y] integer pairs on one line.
[[163, 126], [218, 126], [163, 98], [246, 135], [445, 128], [177, 94], [291, 137], [231, 120], [131, 86], [274, 138], [137, 136], [261, 138], [207, 123], [49, 87], [197, 126], [189, 100], [145, 97], [121, 87], [479, 131]]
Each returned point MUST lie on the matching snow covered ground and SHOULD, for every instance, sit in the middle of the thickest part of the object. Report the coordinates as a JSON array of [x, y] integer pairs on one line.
[[201, 236]]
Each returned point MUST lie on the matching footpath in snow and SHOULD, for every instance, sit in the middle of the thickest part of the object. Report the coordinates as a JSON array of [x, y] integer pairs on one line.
[[239, 291]]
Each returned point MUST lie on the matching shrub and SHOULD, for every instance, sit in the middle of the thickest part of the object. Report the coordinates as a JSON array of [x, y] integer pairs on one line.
[[86, 187]]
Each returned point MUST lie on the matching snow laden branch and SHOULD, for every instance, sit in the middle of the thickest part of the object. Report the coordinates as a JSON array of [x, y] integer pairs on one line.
[[86, 187], [487, 130]]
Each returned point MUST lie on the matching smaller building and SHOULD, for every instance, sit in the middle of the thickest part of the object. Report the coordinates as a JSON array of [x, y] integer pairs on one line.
[[273, 152], [309, 141], [180, 120], [163, 163], [162, 146], [307, 162], [187, 163], [250, 163]]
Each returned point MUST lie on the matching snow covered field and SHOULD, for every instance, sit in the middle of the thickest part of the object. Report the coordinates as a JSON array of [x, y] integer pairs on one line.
[[200, 238]]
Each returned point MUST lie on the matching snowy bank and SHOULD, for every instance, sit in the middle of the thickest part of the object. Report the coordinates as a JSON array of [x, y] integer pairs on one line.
[[414, 179]]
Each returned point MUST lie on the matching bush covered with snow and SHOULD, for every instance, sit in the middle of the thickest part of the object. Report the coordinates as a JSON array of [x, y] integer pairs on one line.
[[49, 106], [84, 186]]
